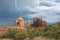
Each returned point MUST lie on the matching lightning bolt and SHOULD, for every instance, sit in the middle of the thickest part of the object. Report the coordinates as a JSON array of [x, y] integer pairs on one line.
[[17, 7]]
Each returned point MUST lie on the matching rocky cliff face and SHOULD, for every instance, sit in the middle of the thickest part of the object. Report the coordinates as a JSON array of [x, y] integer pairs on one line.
[[29, 23], [20, 22], [37, 22]]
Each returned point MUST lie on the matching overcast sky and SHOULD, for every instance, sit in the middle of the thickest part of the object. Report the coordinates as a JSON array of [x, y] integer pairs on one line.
[[48, 10]]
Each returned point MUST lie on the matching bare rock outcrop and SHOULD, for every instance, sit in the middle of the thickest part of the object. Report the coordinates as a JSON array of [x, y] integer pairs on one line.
[[37, 22], [20, 22], [29, 23]]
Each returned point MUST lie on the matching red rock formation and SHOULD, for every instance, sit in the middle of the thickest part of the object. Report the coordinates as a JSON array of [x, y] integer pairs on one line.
[[39, 22], [20, 22], [29, 23], [3, 30], [44, 23]]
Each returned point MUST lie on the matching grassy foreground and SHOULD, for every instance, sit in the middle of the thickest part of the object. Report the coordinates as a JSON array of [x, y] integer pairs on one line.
[[52, 32]]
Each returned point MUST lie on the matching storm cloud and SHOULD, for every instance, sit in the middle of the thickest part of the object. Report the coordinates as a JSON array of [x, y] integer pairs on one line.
[[48, 10]]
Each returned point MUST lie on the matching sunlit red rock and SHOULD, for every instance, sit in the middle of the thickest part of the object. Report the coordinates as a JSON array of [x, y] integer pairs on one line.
[[29, 23], [44, 23], [20, 22]]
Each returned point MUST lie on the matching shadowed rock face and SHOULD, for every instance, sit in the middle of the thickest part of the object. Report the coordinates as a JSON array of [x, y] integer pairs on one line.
[[37, 22]]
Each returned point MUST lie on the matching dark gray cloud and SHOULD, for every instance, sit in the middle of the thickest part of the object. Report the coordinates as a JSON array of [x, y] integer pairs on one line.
[[48, 10], [46, 4], [7, 9], [7, 5], [57, 1], [8, 12]]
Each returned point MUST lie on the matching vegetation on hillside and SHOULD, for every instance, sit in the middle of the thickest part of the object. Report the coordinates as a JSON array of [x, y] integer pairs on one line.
[[52, 31]]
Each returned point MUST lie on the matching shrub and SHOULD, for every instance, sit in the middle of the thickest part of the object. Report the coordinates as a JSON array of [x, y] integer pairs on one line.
[[21, 36], [51, 32], [32, 35], [10, 34]]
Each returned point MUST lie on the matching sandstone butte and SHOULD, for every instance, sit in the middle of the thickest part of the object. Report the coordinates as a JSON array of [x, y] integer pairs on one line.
[[37, 22]]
